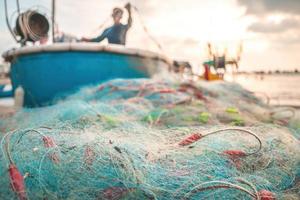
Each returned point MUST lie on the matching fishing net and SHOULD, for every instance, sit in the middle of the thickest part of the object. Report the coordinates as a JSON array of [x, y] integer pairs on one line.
[[152, 139]]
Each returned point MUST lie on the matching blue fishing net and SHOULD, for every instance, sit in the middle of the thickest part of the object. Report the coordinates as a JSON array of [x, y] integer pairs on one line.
[[152, 139]]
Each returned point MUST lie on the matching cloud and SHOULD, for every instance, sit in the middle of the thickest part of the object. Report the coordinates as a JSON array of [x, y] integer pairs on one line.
[[283, 31], [291, 41], [272, 27], [263, 7]]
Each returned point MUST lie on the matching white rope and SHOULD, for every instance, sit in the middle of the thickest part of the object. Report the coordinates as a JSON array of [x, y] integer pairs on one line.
[[153, 39]]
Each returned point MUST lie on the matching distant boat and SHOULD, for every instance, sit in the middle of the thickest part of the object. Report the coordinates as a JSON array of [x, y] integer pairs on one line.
[[47, 71]]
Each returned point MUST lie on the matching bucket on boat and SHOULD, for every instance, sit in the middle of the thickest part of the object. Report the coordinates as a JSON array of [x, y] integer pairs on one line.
[[32, 26]]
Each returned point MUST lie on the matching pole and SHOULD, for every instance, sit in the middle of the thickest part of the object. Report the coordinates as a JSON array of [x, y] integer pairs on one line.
[[53, 20], [18, 6], [7, 21]]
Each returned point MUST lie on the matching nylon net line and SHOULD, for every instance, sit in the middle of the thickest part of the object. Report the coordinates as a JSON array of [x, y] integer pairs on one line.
[[152, 139]]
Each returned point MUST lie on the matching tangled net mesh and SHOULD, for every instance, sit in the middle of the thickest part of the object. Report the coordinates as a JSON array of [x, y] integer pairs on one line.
[[151, 139]]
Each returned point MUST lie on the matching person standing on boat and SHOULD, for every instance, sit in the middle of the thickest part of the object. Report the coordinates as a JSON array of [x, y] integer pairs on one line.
[[115, 34]]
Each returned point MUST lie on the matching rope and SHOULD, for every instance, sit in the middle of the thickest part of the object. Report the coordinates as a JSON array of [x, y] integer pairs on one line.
[[281, 110], [146, 30], [27, 29], [159, 46], [235, 129], [7, 21], [251, 186], [33, 35], [101, 25], [222, 184], [6, 138]]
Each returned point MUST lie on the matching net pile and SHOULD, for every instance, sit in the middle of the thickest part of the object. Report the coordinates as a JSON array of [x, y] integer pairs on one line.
[[151, 139]]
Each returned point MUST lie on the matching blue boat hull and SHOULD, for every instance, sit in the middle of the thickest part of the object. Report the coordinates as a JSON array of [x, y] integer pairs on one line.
[[45, 76]]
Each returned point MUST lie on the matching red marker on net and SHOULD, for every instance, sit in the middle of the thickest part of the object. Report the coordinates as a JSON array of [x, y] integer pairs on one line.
[[17, 182], [89, 156], [235, 153], [49, 143], [234, 156], [191, 139], [266, 195]]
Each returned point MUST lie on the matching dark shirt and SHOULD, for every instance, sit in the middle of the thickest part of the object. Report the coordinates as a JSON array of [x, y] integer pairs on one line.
[[115, 34]]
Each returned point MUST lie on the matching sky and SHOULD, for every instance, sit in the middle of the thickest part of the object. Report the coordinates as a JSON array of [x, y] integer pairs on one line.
[[268, 29]]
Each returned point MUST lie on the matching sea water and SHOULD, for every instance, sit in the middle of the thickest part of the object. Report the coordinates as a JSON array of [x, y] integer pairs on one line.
[[282, 89]]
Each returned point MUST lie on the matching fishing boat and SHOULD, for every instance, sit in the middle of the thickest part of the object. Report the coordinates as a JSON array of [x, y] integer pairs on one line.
[[47, 72]]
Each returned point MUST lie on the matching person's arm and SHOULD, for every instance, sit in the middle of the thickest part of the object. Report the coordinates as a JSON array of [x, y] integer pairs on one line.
[[128, 7], [100, 37], [96, 39]]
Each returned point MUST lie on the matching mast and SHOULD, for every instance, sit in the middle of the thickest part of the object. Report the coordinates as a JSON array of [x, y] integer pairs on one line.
[[53, 19]]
